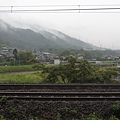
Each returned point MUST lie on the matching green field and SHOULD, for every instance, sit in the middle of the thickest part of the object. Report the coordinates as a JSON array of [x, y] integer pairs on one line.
[[58, 74], [5, 69], [36, 77], [7, 77]]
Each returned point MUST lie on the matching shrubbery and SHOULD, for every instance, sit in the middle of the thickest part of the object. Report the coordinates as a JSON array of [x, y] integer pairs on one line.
[[77, 72]]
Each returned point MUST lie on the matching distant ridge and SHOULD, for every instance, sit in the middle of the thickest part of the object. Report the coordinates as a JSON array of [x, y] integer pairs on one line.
[[39, 38]]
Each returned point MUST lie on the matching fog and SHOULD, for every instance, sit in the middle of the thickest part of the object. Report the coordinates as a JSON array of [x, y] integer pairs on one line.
[[100, 29]]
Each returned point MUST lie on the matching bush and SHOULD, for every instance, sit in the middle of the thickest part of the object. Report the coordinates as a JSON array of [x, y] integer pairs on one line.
[[3, 100], [115, 110], [113, 118], [2, 118], [73, 112]]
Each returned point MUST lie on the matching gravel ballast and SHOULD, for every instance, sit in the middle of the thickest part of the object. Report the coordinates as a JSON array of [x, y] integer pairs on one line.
[[49, 110]]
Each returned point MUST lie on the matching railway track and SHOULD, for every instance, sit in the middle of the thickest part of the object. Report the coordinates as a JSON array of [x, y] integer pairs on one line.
[[58, 86], [71, 93], [62, 94]]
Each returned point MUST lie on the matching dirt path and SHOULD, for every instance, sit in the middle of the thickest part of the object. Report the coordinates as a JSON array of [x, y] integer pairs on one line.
[[19, 73]]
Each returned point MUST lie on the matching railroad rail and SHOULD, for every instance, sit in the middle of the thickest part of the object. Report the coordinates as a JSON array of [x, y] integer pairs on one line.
[[58, 86], [64, 98], [57, 95], [62, 94]]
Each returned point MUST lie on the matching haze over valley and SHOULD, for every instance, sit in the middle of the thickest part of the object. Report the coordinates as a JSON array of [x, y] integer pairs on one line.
[[36, 37]]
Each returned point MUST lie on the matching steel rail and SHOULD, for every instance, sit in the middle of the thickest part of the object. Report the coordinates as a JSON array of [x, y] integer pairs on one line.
[[60, 93], [60, 96], [69, 96], [57, 86], [64, 98]]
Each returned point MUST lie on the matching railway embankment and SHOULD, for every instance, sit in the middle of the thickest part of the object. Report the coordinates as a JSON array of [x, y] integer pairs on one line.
[[50, 108]]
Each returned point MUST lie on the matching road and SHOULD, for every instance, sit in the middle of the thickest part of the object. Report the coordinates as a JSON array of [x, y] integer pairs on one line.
[[19, 73]]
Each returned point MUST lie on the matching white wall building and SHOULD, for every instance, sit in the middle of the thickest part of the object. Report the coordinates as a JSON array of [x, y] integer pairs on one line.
[[56, 61]]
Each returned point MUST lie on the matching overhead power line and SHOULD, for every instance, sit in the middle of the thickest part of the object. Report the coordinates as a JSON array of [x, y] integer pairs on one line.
[[61, 9]]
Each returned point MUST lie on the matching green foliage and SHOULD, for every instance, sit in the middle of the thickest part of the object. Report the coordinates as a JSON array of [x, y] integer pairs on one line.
[[73, 112], [25, 78], [116, 106], [115, 109], [93, 117], [113, 118], [106, 74], [38, 66], [72, 72], [26, 57], [88, 54], [58, 116], [3, 100], [64, 110], [13, 112], [20, 58], [2, 118], [78, 72], [5, 69], [65, 53]]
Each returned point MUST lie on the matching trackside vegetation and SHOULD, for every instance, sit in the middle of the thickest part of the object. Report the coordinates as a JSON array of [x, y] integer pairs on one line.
[[7, 76], [36, 77], [74, 71], [7, 69], [62, 112], [90, 117], [81, 71], [61, 115]]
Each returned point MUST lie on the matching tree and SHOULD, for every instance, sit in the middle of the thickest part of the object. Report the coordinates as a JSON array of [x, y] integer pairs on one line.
[[15, 52], [72, 72], [26, 57], [78, 72]]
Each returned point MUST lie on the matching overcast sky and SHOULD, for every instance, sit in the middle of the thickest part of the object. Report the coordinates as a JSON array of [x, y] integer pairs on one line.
[[100, 29]]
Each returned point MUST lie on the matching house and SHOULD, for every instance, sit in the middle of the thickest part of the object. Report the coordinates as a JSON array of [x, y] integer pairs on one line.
[[56, 61], [46, 57]]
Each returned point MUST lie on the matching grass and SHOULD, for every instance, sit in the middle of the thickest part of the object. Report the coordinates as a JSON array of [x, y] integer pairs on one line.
[[5, 69], [24, 78]]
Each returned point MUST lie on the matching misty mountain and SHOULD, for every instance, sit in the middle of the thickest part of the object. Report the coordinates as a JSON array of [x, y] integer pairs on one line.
[[36, 37]]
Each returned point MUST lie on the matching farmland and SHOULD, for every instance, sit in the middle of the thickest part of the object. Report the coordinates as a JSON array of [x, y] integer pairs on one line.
[[7, 76]]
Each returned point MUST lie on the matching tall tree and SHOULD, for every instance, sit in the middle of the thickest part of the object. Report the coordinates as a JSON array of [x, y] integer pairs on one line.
[[15, 52]]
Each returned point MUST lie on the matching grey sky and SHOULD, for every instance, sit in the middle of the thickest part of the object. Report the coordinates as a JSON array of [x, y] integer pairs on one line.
[[101, 29]]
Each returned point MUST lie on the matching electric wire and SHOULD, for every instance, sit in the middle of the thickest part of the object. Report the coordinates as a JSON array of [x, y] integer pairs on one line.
[[47, 9]]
